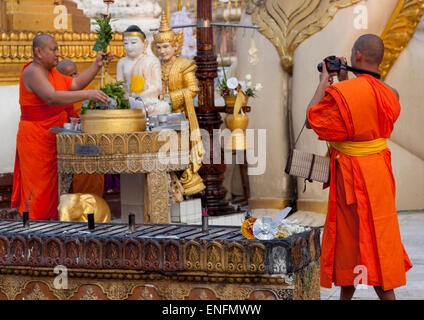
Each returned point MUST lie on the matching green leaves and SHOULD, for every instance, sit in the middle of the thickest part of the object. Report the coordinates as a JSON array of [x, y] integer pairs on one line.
[[104, 33], [115, 91]]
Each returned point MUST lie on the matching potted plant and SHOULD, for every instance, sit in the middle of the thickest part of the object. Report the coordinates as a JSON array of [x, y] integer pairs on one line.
[[228, 88]]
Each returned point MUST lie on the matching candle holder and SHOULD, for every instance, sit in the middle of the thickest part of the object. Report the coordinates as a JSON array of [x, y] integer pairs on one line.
[[90, 220], [25, 219], [131, 222], [205, 220]]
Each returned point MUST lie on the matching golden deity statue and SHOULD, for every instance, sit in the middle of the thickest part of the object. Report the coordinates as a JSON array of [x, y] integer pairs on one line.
[[180, 84]]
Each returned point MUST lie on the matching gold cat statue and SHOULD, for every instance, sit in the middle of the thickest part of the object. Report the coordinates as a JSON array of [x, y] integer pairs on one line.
[[76, 206]]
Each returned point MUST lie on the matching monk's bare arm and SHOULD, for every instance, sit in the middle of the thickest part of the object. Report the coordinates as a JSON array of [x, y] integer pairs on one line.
[[84, 79], [36, 80]]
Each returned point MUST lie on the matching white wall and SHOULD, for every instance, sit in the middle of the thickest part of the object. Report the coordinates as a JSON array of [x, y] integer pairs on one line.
[[9, 120]]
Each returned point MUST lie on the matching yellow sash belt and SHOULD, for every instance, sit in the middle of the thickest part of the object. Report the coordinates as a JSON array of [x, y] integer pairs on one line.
[[360, 148]]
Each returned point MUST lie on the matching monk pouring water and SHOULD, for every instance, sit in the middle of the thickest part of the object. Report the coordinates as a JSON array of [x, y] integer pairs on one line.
[[44, 96], [361, 242]]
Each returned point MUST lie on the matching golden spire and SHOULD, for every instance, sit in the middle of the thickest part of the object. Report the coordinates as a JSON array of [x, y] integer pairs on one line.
[[165, 33], [164, 24]]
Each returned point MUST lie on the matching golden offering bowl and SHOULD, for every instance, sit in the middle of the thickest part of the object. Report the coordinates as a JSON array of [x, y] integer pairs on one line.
[[237, 125], [230, 100], [113, 121]]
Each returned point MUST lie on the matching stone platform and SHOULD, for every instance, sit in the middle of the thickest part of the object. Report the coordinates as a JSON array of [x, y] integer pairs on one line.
[[157, 261]]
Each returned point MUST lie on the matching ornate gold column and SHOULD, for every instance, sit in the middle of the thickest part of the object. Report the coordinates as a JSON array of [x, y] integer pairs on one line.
[[399, 30]]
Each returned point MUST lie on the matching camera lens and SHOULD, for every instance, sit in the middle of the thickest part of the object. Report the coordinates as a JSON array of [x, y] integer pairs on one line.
[[319, 67]]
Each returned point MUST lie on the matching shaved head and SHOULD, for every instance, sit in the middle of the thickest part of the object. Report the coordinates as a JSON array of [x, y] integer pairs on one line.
[[40, 41], [372, 48], [66, 66]]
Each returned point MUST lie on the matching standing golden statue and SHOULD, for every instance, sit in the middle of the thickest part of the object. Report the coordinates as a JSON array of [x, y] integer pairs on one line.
[[180, 84]]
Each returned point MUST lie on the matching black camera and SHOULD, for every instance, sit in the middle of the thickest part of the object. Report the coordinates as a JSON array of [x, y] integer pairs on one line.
[[333, 64]]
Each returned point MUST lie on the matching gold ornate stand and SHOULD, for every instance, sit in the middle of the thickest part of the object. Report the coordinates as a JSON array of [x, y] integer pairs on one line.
[[154, 153]]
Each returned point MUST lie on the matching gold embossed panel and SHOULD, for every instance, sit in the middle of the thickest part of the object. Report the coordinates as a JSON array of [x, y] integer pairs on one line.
[[16, 50], [287, 23], [122, 153], [399, 30]]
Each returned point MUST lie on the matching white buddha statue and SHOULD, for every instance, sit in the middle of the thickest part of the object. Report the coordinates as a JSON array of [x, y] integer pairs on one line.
[[141, 73]]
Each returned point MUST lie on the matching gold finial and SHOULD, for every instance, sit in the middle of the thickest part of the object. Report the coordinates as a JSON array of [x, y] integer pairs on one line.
[[164, 24]]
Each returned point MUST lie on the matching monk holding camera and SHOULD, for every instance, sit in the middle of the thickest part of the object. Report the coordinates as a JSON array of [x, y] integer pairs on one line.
[[361, 242]]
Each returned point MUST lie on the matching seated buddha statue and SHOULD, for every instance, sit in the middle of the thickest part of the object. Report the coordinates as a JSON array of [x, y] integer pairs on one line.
[[141, 73], [180, 84]]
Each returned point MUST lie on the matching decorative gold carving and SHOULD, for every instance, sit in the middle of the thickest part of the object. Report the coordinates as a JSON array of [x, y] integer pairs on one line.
[[123, 152], [116, 286], [158, 198], [173, 291], [90, 295], [257, 258], [215, 257], [288, 23], [399, 30], [193, 257], [11, 287], [236, 258], [16, 50], [145, 295], [36, 294], [138, 152]]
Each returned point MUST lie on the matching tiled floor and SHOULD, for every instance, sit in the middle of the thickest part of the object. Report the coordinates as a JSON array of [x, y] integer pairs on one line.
[[411, 228]]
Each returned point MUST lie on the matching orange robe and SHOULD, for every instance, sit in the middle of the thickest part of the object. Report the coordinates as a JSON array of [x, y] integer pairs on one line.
[[35, 170], [361, 228], [87, 183]]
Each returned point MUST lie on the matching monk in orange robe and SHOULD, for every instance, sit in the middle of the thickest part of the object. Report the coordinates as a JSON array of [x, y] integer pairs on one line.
[[44, 95], [361, 241], [81, 183]]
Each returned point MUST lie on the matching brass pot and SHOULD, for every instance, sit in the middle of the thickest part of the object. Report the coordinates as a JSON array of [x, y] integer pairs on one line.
[[230, 100], [113, 121], [237, 125]]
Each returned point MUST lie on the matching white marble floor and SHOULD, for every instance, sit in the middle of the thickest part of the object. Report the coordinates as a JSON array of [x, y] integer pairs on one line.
[[412, 231]]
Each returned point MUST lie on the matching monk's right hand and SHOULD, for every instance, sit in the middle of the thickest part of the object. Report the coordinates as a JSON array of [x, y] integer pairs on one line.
[[342, 75], [326, 78], [97, 96]]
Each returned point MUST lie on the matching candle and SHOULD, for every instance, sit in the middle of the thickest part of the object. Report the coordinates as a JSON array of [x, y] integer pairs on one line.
[[90, 217], [25, 217], [131, 222], [205, 222]]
